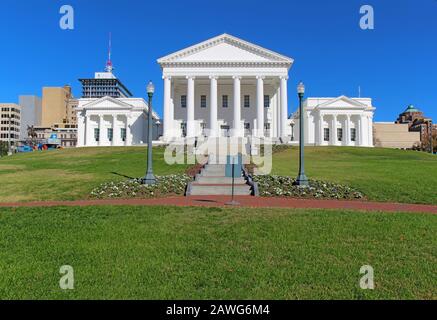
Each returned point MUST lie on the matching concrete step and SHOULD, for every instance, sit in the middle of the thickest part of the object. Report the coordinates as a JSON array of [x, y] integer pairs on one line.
[[216, 190], [218, 180]]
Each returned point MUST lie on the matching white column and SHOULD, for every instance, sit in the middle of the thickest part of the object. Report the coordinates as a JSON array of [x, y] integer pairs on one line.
[[321, 137], [347, 133], [168, 120], [370, 128], [101, 130], [334, 130], [284, 106], [128, 130], [114, 130], [260, 106], [213, 125], [80, 130], [237, 107], [360, 137], [190, 108]]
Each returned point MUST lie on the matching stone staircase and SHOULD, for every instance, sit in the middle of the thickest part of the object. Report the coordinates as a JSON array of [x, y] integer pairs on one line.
[[212, 180]]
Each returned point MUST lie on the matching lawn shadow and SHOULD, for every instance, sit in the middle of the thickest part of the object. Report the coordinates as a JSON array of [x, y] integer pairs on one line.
[[122, 175]]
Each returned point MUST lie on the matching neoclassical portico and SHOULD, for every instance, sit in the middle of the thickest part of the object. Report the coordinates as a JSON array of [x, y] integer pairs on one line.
[[113, 122], [225, 87], [340, 121]]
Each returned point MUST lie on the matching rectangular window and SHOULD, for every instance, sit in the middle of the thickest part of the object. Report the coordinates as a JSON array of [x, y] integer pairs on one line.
[[326, 134], [267, 126], [97, 134], [123, 134], [353, 134], [183, 101], [247, 101], [110, 134], [246, 126], [266, 101], [225, 101], [203, 101], [339, 134]]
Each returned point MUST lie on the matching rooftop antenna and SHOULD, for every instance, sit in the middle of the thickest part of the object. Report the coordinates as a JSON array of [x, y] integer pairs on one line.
[[109, 66]]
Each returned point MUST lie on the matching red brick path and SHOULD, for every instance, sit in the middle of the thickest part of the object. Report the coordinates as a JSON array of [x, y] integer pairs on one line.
[[245, 201]]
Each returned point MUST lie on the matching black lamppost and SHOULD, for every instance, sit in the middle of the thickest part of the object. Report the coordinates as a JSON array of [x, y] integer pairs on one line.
[[150, 177], [302, 179]]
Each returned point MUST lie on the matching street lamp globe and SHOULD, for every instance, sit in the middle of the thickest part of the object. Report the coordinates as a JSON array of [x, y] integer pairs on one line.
[[150, 88], [301, 88]]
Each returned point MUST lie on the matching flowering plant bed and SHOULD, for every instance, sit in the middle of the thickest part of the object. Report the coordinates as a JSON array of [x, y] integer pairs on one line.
[[281, 186], [170, 185]]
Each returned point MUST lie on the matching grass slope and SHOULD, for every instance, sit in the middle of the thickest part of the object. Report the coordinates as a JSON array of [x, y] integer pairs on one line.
[[72, 173], [381, 174], [198, 253]]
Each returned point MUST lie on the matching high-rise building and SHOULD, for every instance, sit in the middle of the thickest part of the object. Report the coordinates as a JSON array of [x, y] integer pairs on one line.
[[104, 84], [55, 105], [10, 117], [30, 114]]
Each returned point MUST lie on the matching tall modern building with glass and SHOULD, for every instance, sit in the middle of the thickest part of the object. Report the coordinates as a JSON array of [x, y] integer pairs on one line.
[[104, 84]]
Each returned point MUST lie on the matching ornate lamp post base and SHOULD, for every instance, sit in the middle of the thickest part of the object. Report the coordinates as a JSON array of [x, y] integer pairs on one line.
[[302, 181], [149, 179]]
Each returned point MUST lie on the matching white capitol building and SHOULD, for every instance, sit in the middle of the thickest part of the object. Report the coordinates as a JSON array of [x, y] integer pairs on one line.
[[226, 86]]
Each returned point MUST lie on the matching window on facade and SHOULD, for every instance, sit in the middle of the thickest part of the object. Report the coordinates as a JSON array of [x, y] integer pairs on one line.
[[267, 126], [110, 134], [353, 134], [266, 101], [183, 101], [203, 101], [97, 134], [123, 134], [225, 101], [246, 126], [326, 134], [247, 101], [339, 134]]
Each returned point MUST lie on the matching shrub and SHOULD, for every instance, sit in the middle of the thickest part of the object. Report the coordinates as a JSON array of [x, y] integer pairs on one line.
[[280, 186], [165, 186]]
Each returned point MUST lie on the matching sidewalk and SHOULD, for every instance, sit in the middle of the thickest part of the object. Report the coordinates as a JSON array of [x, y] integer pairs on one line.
[[245, 201]]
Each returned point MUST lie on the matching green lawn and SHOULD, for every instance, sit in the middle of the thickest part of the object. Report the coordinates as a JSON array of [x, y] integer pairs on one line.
[[72, 173], [198, 253], [381, 174]]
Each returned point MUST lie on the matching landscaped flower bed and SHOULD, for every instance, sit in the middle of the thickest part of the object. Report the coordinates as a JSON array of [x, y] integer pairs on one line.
[[279, 186], [165, 186]]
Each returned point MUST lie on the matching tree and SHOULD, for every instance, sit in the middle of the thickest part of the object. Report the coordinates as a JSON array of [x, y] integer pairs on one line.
[[3, 148]]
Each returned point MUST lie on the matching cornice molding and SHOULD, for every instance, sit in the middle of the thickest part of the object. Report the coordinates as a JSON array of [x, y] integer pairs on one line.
[[225, 38]]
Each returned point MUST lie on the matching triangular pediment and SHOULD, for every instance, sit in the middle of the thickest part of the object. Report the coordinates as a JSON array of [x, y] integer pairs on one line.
[[107, 103], [341, 102], [225, 48]]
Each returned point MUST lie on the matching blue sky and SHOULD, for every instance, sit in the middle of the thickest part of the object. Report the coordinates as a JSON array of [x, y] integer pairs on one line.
[[395, 64]]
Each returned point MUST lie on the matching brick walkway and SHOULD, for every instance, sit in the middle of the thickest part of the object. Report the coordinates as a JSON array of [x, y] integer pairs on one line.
[[245, 201]]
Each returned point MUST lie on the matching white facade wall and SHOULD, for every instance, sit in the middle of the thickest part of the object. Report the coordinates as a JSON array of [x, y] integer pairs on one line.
[[234, 66], [125, 116], [346, 114]]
